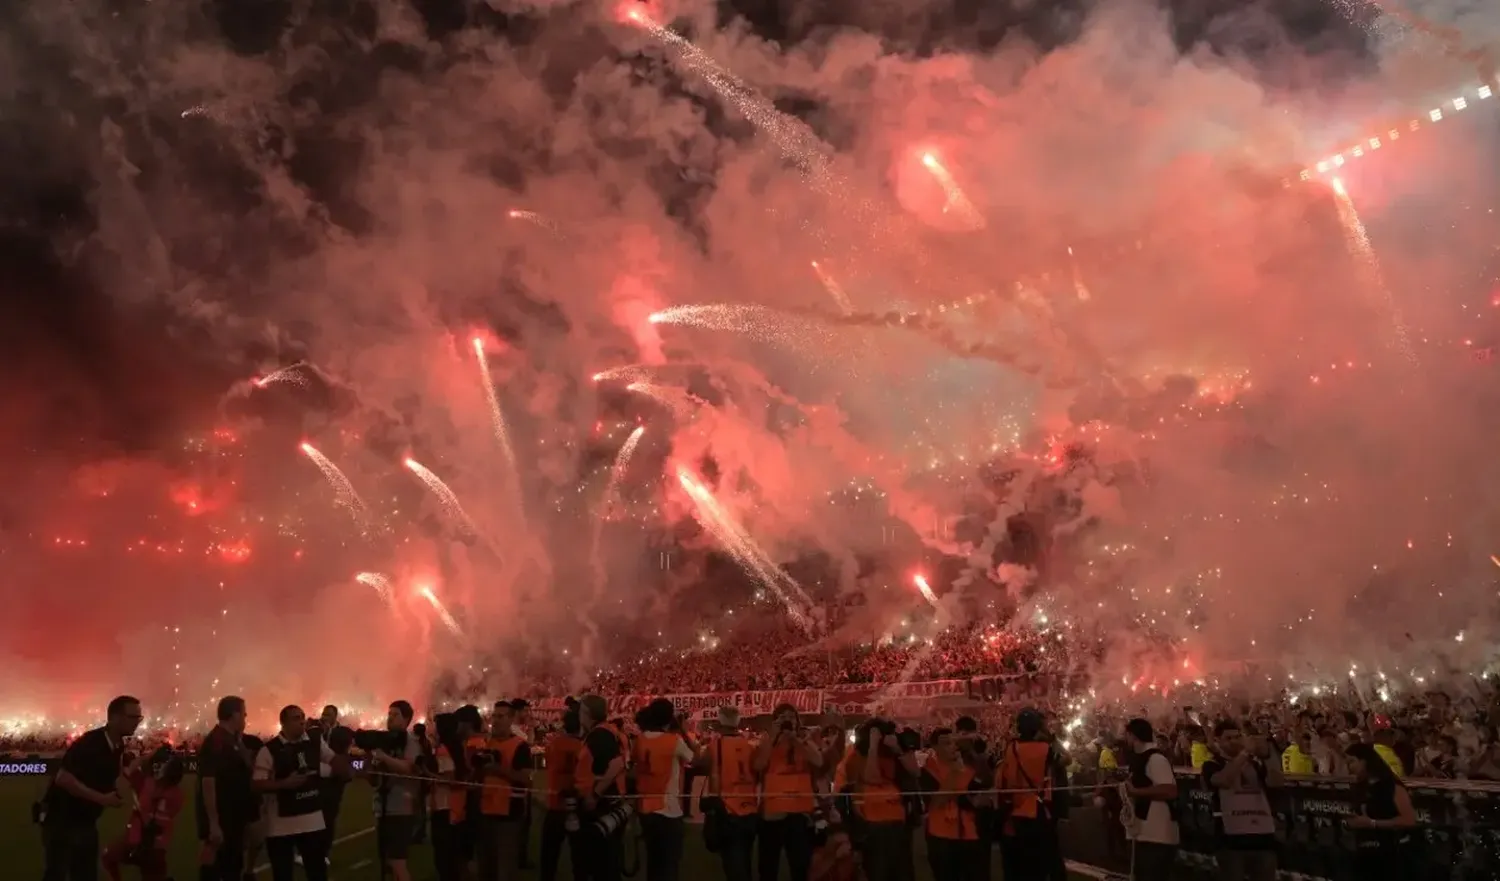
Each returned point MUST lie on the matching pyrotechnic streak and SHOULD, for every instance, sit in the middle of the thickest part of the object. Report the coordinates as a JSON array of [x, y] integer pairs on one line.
[[626, 373], [1358, 242], [534, 219], [789, 135], [622, 464], [440, 609], [445, 495], [798, 327], [291, 374], [957, 205], [744, 549], [678, 401], [921, 582], [1078, 286], [342, 488], [835, 290], [380, 583], [497, 416]]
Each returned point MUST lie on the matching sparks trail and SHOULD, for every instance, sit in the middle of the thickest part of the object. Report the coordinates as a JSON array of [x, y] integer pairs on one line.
[[622, 464], [1358, 242], [292, 374], [442, 611], [497, 416], [380, 583], [343, 490], [445, 496], [956, 204], [743, 548], [682, 404], [834, 289], [790, 326], [535, 219]]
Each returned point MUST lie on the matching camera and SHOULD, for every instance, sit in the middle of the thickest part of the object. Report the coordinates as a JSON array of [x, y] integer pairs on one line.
[[613, 818], [389, 742]]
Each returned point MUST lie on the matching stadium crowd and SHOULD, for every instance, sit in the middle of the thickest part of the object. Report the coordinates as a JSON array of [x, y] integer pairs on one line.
[[795, 788]]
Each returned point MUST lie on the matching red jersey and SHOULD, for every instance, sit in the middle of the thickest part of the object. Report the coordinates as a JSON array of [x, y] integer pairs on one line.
[[154, 802]]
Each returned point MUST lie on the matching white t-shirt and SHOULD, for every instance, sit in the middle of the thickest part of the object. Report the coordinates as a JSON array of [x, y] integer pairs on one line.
[[1157, 827], [276, 825], [672, 804]]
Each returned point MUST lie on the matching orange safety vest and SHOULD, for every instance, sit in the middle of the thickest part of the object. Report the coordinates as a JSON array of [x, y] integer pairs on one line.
[[655, 758], [585, 777], [1026, 767], [788, 783], [948, 820], [563, 751], [877, 802], [495, 800], [459, 797], [731, 756]]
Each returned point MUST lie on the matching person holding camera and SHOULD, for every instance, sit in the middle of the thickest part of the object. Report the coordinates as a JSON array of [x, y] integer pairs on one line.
[[87, 783], [737, 792], [1029, 845], [561, 821], [956, 847], [453, 821], [396, 789], [659, 755], [600, 783], [787, 759], [288, 770], [503, 767], [880, 763]]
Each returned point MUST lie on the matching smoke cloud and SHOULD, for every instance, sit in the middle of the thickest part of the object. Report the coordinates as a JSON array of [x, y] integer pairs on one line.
[[1151, 382]]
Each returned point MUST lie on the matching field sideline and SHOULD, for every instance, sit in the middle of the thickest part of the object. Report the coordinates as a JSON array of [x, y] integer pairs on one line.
[[353, 855]]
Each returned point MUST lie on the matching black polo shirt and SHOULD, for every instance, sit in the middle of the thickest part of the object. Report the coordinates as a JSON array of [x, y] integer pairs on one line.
[[94, 760], [223, 759]]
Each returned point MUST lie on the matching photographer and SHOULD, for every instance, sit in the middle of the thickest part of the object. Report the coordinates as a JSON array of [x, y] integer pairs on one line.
[[877, 775], [453, 823], [955, 847], [787, 759], [396, 790], [288, 768], [560, 825], [600, 783], [520, 709], [88, 782], [1029, 847], [659, 755], [503, 766], [733, 782]]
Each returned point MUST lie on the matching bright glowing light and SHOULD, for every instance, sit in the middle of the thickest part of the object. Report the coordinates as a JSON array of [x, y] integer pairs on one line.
[[920, 581], [1338, 186], [1485, 92], [929, 160]]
